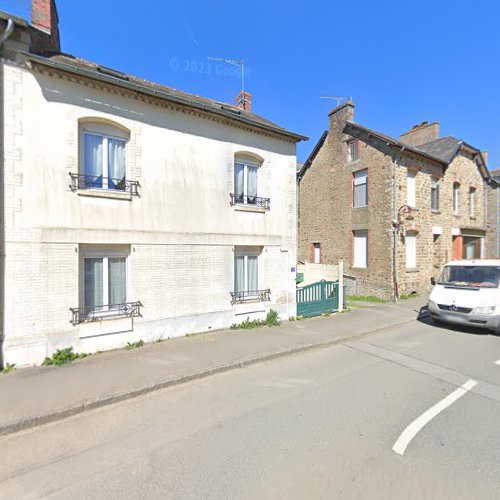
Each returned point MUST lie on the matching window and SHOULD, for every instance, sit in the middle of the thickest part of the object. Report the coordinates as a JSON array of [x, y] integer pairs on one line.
[[411, 250], [434, 195], [360, 250], [104, 282], [103, 157], [360, 189], [472, 201], [245, 183], [456, 198], [246, 273], [411, 191], [353, 150], [317, 253]]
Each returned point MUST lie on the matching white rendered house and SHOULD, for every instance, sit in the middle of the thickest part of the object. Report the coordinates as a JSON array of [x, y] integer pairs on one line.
[[132, 210]]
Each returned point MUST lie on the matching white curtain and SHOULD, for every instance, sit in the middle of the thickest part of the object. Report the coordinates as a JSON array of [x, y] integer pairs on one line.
[[93, 160], [239, 171], [117, 283], [253, 283], [411, 194], [93, 282], [252, 184], [116, 163], [360, 248], [360, 189], [239, 273]]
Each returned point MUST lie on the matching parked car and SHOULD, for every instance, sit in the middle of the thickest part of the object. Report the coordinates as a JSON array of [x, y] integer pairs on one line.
[[467, 293]]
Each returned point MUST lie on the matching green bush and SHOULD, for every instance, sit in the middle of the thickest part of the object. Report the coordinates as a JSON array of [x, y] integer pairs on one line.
[[63, 357], [364, 298], [272, 318]]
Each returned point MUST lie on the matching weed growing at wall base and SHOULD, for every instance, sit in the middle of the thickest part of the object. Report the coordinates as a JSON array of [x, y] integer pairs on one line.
[[63, 357], [9, 367], [134, 345], [272, 319]]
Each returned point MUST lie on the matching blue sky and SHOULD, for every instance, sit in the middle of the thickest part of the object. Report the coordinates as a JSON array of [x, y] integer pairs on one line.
[[402, 62]]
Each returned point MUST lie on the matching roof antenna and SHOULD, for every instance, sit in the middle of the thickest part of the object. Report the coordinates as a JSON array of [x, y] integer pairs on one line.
[[234, 62], [337, 98]]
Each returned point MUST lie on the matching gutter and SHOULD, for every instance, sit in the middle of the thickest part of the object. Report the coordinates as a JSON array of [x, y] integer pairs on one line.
[[233, 115]]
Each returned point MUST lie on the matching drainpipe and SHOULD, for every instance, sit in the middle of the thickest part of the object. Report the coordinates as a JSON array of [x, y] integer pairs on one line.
[[3, 38], [395, 224]]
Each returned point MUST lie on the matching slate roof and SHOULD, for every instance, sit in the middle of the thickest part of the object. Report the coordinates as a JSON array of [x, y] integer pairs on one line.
[[444, 148], [71, 64]]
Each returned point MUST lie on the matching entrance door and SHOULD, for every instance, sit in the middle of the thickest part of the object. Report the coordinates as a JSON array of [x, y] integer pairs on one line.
[[472, 247]]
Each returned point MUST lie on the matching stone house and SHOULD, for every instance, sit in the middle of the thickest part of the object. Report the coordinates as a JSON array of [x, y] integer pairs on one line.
[[393, 210], [132, 210]]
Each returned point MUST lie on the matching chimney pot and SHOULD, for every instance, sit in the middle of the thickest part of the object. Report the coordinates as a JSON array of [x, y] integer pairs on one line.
[[244, 101]]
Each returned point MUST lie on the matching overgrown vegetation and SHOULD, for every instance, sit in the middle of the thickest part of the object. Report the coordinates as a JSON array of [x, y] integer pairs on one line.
[[291, 318], [63, 357], [134, 345], [272, 319], [364, 298], [408, 296], [9, 367]]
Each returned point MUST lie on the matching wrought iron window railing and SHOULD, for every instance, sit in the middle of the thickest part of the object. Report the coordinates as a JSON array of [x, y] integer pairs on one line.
[[259, 295], [84, 181], [98, 313], [241, 199]]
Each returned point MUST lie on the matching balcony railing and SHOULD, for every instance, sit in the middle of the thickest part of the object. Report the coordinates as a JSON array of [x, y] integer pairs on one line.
[[255, 201], [98, 313], [252, 295], [85, 181]]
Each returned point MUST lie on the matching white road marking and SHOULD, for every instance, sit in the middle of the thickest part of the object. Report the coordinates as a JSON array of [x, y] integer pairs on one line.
[[497, 362], [416, 426]]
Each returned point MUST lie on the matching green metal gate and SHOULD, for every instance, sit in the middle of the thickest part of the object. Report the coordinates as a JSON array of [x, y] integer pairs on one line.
[[318, 298]]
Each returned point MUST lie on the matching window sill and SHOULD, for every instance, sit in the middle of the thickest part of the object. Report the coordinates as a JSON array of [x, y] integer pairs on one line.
[[353, 163], [435, 212], [413, 270], [249, 208], [472, 217], [364, 206], [457, 216], [359, 268], [105, 193]]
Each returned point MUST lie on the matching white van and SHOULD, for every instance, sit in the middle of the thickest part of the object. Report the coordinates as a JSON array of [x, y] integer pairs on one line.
[[468, 293]]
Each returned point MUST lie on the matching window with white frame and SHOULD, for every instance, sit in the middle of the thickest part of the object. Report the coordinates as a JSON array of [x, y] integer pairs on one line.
[[104, 278], [245, 181], [472, 202], [360, 189], [246, 272], [360, 249], [411, 189], [103, 157], [317, 253], [434, 194], [411, 250], [456, 198], [353, 150]]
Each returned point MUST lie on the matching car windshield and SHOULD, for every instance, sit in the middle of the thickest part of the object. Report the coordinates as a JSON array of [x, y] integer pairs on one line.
[[474, 276]]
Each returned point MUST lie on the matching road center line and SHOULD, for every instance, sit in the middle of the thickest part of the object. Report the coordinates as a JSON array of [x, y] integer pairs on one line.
[[416, 426]]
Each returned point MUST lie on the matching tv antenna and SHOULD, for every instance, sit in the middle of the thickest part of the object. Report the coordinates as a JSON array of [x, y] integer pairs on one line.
[[337, 98], [234, 62]]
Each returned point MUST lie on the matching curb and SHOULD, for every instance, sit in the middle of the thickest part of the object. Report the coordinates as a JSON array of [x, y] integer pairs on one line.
[[117, 398]]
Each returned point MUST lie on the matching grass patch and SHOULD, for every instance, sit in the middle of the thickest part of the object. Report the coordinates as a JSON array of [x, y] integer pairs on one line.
[[63, 357], [9, 367], [365, 298], [272, 319], [408, 296]]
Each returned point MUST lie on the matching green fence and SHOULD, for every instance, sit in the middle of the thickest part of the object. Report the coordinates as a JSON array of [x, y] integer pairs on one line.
[[318, 298]]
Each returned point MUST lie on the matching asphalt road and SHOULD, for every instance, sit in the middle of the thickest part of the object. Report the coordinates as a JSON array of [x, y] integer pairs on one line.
[[315, 425]]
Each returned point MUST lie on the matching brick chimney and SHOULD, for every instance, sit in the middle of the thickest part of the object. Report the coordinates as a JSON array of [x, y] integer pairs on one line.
[[44, 17], [244, 101], [421, 134], [339, 115]]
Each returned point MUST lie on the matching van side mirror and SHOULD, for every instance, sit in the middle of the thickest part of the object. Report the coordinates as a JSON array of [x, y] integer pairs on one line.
[[433, 281]]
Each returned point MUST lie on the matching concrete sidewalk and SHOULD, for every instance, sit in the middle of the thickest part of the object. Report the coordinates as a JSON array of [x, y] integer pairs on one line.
[[34, 396]]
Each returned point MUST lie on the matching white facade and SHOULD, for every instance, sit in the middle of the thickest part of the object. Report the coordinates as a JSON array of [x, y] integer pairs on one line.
[[179, 236]]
